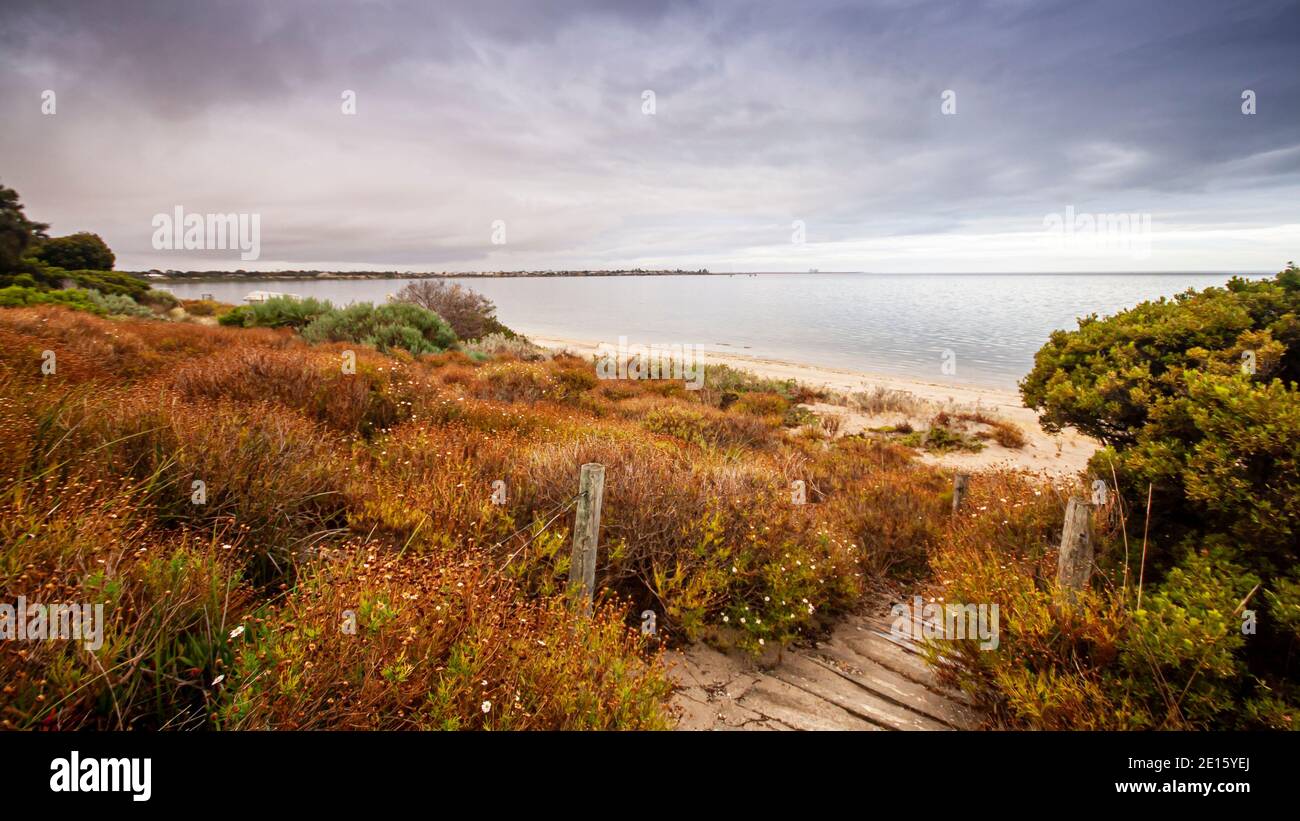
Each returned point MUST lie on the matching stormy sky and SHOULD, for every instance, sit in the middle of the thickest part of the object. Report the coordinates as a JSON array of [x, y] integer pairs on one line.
[[770, 123]]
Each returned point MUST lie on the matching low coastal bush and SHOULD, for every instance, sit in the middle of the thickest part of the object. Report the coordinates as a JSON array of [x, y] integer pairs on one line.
[[91, 301], [704, 426], [205, 307], [880, 400], [109, 283], [277, 312], [1004, 432], [503, 345], [1179, 660], [387, 326], [392, 325], [17, 296], [372, 640], [470, 314], [762, 403], [118, 305]]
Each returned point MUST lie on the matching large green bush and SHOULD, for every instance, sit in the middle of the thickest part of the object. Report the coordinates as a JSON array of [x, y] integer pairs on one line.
[[1196, 399], [392, 325], [1108, 376]]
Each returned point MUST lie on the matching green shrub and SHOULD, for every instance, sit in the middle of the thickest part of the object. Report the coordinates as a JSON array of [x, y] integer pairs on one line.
[[107, 282], [392, 325], [164, 300], [1163, 385], [942, 439], [23, 280], [237, 317], [118, 305], [18, 297], [1109, 376], [278, 312], [1196, 399]]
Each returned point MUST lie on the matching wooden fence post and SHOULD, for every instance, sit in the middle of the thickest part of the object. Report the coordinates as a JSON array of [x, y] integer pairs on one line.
[[586, 533], [1074, 566], [959, 483]]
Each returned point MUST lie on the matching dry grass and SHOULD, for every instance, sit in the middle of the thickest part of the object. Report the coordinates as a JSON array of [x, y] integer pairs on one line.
[[1003, 431], [370, 493], [880, 400]]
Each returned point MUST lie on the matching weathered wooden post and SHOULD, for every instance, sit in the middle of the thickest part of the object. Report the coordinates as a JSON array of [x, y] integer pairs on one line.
[[1074, 566], [586, 534], [959, 484]]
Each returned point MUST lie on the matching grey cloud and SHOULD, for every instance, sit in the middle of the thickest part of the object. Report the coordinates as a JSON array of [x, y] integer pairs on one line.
[[531, 113]]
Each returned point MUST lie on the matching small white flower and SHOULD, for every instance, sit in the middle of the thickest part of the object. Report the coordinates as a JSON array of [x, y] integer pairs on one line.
[[237, 632], [487, 706]]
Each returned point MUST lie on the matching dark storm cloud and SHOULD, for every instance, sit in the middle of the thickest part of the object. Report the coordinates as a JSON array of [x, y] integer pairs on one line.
[[765, 114]]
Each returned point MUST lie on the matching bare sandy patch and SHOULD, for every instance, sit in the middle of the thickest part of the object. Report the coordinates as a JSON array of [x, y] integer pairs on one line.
[[917, 402]]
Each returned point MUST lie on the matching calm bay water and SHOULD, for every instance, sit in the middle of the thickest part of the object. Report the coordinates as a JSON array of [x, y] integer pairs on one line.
[[898, 324]]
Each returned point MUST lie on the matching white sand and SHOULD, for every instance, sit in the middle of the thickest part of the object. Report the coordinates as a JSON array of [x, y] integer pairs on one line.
[[1054, 455]]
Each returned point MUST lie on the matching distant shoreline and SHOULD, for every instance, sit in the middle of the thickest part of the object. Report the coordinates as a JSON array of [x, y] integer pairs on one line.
[[328, 276], [313, 276]]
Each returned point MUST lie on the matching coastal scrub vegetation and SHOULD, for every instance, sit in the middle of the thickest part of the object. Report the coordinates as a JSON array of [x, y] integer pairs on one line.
[[384, 327], [343, 518], [75, 271], [347, 566], [1191, 622], [470, 314]]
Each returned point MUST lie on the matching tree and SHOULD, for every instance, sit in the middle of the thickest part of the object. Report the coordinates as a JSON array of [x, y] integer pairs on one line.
[[17, 233], [469, 313], [77, 252]]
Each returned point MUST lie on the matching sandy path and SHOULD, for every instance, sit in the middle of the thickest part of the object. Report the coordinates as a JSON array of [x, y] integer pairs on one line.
[[1053, 455], [859, 678]]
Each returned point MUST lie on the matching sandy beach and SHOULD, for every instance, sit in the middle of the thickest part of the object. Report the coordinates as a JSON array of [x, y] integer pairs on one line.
[[1055, 456]]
